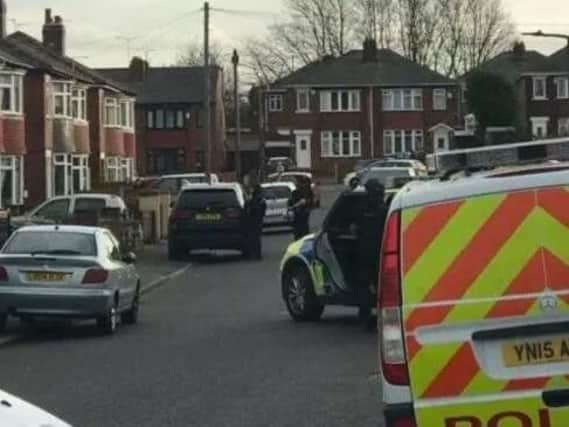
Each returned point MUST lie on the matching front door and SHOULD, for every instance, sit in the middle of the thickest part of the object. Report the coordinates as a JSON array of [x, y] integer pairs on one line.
[[303, 151]]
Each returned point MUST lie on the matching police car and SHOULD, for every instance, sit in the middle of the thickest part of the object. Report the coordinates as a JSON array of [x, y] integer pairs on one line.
[[473, 302]]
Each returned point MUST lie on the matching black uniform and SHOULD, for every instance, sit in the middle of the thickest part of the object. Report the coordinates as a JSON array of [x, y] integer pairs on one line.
[[255, 212], [369, 239], [301, 203]]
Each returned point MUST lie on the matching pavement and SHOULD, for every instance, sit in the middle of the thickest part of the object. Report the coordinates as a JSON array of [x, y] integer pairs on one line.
[[214, 347]]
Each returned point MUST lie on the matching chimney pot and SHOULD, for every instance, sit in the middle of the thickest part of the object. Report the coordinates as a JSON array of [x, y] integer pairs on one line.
[[54, 33], [370, 50], [48, 19]]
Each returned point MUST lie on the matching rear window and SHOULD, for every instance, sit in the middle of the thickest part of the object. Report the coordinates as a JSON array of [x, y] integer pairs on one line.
[[198, 199], [277, 193], [386, 177], [90, 204], [51, 242]]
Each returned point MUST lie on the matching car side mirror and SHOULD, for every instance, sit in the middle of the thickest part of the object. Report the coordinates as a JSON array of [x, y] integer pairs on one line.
[[129, 258]]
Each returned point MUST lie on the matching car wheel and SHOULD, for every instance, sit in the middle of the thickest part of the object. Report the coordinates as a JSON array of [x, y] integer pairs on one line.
[[298, 293], [3, 321], [130, 317], [109, 323], [354, 182], [175, 253]]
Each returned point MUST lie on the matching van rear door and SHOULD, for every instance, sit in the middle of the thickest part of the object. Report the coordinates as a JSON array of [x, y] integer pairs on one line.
[[485, 303]]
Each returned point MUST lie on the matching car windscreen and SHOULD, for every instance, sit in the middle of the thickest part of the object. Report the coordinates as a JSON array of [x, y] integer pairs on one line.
[[277, 192], [199, 199], [384, 176], [52, 242]]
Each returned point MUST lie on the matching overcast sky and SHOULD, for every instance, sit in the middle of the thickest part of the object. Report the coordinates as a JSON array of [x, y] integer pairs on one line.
[[97, 31]]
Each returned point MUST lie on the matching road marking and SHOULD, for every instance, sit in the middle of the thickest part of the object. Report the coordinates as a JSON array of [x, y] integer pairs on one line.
[[163, 280]]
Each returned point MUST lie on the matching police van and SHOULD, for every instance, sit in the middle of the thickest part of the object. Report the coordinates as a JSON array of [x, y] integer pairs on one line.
[[473, 302]]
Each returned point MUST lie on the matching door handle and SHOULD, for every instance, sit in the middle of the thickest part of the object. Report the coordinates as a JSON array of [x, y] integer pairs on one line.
[[556, 398]]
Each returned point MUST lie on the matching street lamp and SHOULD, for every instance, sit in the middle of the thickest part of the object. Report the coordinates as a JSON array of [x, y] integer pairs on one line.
[[540, 33], [235, 62]]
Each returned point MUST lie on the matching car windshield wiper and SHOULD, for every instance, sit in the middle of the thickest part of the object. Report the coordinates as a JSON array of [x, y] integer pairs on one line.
[[57, 252]]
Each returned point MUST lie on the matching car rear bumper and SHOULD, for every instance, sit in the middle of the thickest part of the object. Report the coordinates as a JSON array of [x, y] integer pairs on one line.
[[277, 220], [55, 302], [209, 239], [401, 414]]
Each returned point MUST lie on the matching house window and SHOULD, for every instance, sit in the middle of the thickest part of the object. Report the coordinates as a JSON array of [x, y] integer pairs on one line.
[[341, 144], [180, 119], [62, 95], [113, 169], [79, 104], [539, 88], [302, 100], [127, 113], [112, 112], [81, 177], [150, 119], [562, 84], [11, 93], [439, 99], [341, 100], [275, 102], [62, 174], [11, 181], [402, 141], [539, 127], [402, 99], [563, 126], [159, 117]]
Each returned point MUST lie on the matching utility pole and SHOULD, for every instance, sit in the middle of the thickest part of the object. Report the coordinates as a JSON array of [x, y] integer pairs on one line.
[[207, 92], [261, 113], [235, 61]]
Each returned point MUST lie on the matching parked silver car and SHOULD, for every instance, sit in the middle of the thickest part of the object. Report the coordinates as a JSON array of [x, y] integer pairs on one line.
[[277, 196], [68, 271]]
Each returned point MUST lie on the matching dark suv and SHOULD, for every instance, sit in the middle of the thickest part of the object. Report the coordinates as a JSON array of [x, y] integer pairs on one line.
[[205, 217]]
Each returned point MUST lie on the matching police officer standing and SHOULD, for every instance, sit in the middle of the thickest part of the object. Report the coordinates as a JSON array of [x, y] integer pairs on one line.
[[301, 204], [255, 212]]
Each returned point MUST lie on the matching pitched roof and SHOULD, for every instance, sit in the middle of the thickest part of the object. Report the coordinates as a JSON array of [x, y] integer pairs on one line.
[[31, 51], [511, 65], [390, 69], [165, 85], [559, 61]]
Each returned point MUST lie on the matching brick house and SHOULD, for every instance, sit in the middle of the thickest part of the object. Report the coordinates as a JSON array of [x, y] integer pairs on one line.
[[78, 125], [170, 116], [367, 103], [541, 86]]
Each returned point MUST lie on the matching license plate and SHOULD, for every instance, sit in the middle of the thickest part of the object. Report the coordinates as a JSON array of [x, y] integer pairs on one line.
[[208, 217], [42, 276], [536, 352]]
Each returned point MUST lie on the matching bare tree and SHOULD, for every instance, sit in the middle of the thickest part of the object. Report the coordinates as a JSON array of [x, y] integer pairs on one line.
[[377, 18], [193, 54]]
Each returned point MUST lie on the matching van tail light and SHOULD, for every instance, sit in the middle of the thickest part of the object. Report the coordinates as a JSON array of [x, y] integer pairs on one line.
[[180, 214], [392, 345], [405, 422], [233, 213], [95, 275], [3, 274]]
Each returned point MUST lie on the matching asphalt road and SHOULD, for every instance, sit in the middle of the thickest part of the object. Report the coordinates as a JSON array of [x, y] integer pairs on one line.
[[214, 347]]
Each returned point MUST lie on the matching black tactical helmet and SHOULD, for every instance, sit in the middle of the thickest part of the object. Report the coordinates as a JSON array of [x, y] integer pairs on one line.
[[375, 188]]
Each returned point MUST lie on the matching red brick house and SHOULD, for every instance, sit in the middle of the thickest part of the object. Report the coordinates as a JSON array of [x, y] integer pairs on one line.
[[541, 85], [170, 116], [365, 104], [78, 125]]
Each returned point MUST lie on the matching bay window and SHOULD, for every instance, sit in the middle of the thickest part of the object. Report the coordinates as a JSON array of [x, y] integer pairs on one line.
[[79, 104], [112, 112], [402, 99], [62, 95], [402, 141], [126, 113], [339, 100], [80, 174], [11, 93], [11, 181], [113, 169], [62, 182], [341, 144]]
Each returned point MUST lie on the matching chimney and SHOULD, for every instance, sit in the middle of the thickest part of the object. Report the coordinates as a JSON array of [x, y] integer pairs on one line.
[[138, 69], [370, 50], [3, 19], [519, 50], [54, 33]]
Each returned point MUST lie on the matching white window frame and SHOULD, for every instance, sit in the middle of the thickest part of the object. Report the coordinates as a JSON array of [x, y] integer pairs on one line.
[[390, 137], [275, 102], [62, 89], [300, 93], [440, 99], [15, 86], [395, 99], [126, 120], [353, 97], [79, 103], [542, 80], [15, 165], [332, 143], [113, 169], [539, 123], [62, 160], [80, 164], [112, 112], [562, 87], [563, 126]]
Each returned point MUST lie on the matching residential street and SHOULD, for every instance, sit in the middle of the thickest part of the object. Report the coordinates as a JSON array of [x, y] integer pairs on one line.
[[214, 347]]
